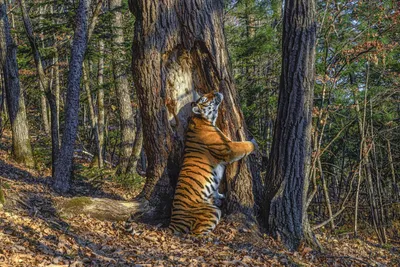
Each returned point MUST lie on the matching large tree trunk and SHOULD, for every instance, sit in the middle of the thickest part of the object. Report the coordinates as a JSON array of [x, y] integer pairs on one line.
[[63, 166], [22, 150], [289, 164], [179, 52], [127, 120]]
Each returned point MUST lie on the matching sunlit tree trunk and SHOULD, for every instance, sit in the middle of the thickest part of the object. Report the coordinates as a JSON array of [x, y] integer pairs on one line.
[[122, 89], [63, 166], [100, 104], [43, 102], [21, 146], [92, 115], [137, 147], [56, 121], [289, 164], [44, 83], [179, 52]]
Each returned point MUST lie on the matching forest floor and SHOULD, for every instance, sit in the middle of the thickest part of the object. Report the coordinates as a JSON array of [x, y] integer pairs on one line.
[[33, 233]]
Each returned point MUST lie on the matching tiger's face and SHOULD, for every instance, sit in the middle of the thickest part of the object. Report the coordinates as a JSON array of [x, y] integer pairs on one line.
[[207, 106]]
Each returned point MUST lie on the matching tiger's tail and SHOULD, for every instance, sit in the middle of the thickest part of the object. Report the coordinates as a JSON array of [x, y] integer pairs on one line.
[[130, 224]]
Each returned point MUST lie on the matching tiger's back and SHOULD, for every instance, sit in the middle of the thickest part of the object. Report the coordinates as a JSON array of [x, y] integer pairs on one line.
[[193, 208], [207, 151]]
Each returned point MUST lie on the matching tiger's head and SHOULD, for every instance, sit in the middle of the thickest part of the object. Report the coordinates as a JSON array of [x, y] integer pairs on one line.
[[207, 106]]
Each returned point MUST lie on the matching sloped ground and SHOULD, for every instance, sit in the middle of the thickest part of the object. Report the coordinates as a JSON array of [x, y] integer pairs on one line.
[[34, 234]]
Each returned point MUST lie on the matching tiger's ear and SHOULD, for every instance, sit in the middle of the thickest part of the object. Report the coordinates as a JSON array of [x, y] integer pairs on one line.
[[196, 109]]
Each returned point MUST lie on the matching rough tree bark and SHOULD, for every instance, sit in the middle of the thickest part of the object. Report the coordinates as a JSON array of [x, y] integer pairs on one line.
[[286, 182], [179, 52], [63, 166], [127, 120], [21, 146]]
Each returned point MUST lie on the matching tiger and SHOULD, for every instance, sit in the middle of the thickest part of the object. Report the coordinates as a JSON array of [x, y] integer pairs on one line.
[[195, 207]]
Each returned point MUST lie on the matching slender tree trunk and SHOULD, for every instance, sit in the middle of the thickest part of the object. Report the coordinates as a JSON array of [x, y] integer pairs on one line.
[[100, 104], [92, 114], [45, 84], [289, 164], [53, 98], [63, 167], [55, 134], [137, 147], [179, 52], [94, 19], [56, 127], [393, 186], [122, 88], [43, 102], [326, 193], [2, 101], [22, 150]]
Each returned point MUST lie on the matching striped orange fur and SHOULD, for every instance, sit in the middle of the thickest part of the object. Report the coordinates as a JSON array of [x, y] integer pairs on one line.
[[207, 150]]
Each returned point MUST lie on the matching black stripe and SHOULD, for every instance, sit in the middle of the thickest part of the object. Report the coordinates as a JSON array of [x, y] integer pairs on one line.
[[191, 178], [191, 187], [178, 228], [194, 165], [194, 150], [180, 187], [208, 189], [213, 188], [189, 130], [180, 201], [215, 155], [194, 147], [200, 174]]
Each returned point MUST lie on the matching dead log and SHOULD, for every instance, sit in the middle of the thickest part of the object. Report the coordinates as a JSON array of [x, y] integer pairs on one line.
[[100, 208]]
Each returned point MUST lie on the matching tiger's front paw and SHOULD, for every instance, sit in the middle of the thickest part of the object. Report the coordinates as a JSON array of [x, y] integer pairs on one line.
[[254, 144], [220, 196], [218, 202]]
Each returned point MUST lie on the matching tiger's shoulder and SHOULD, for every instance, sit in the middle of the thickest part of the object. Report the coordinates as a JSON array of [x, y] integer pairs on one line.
[[204, 131]]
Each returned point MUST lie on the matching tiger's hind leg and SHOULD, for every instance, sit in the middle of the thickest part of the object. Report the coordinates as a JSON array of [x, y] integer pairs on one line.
[[207, 218], [182, 221]]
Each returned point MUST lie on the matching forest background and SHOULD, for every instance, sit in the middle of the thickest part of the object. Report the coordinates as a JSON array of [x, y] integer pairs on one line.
[[355, 137]]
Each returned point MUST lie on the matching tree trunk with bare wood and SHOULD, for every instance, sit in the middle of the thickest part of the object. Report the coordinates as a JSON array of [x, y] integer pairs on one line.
[[179, 52]]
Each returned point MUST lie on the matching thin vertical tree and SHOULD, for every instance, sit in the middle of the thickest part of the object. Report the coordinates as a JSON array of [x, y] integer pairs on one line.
[[100, 105], [288, 168], [45, 84], [63, 165], [21, 146]]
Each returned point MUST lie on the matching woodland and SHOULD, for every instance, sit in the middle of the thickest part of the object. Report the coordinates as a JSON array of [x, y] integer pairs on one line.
[[95, 100]]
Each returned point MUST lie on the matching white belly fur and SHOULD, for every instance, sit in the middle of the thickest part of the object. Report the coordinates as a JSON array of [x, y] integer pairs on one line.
[[219, 172]]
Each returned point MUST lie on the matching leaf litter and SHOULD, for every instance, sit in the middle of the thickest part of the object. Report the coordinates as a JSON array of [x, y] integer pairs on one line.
[[34, 234]]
